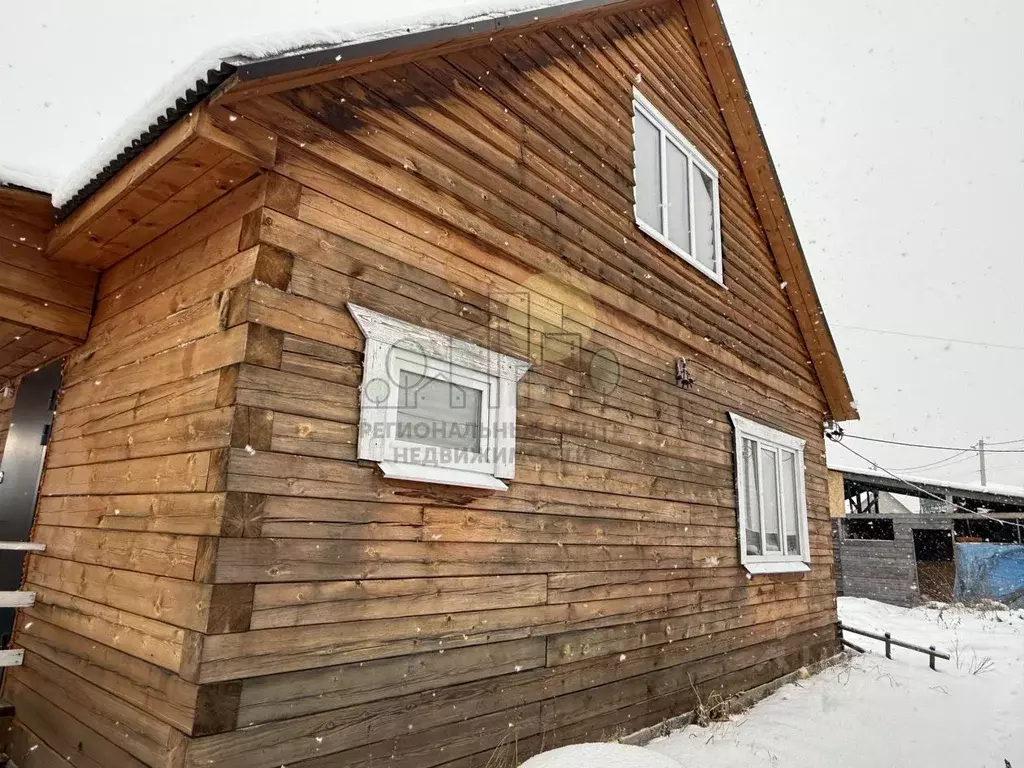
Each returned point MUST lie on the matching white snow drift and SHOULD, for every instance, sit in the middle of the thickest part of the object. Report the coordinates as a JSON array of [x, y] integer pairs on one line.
[[871, 712]]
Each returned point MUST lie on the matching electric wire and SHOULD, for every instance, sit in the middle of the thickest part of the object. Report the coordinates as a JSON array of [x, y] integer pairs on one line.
[[919, 489], [969, 342], [938, 447], [946, 462]]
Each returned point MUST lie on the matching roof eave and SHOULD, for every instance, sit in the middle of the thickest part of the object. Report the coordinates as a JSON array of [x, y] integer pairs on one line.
[[334, 55]]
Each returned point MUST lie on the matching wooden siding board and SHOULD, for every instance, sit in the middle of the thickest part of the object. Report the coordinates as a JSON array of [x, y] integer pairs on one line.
[[129, 507]]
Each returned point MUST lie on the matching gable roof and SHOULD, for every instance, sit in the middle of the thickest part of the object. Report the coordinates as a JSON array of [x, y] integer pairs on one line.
[[482, 20], [256, 64]]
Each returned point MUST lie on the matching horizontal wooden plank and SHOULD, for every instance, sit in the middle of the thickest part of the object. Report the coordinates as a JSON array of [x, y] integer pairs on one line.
[[53, 728], [181, 434], [21, 279], [269, 651], [178, 602], [135, 730], [282, 560], [181, 396], [198, 514], [143, 552], [145, 281], [162, 474], [44, 316], [296, 604], [281, 697], [144, 685], [153, 641], [187, 361]]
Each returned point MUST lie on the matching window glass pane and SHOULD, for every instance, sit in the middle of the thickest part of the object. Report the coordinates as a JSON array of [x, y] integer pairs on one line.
[[790, 503], [437, 412], [770, 501], [704, 218], [678, 197], [648, 172], [751, 501]]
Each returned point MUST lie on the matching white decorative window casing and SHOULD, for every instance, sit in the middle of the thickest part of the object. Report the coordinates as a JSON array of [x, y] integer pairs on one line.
[[675, 190], [771, 498], [433, 408]]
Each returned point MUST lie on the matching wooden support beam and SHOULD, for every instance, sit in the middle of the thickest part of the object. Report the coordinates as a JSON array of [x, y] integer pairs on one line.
[[200, 159]]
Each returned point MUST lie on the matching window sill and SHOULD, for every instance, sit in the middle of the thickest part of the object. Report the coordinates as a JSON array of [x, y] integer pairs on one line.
[[655, 235], [782, 567], [441, 475]]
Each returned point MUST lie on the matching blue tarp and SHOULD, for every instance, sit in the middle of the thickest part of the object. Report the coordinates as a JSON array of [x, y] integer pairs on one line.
[[990, 571]]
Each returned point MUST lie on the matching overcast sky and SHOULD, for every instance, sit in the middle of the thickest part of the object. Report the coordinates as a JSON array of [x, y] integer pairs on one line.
[[897, 128]]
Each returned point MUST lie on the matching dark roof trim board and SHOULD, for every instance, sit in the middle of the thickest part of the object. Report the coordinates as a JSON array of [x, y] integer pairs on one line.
[[320, 57], [295, 61]]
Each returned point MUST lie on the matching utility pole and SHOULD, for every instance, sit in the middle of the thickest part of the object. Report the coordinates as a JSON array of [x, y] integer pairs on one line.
[[981, 460]]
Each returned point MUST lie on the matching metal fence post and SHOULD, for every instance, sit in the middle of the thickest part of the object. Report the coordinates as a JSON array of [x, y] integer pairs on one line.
[[888, 646]]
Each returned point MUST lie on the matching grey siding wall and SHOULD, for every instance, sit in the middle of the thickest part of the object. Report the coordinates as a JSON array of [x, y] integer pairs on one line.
[[879, 570]]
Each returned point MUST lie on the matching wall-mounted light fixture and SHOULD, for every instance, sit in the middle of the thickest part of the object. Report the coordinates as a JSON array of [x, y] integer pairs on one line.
[[683, 378]]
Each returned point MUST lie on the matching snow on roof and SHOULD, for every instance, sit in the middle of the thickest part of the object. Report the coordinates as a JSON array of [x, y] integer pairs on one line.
[[24, 177], [1013, 491], [379, 20]]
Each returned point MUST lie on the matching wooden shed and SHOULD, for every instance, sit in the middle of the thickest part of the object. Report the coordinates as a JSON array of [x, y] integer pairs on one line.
[[452, 392]]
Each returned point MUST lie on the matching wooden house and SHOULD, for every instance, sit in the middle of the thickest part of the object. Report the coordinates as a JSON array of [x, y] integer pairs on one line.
[[454, 392]]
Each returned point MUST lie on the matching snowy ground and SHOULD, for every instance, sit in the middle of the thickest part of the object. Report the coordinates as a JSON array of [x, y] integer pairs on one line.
[[872, 712]]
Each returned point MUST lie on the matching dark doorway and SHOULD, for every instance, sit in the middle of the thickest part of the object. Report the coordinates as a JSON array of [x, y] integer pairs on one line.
[[20, 469], [936, 572]]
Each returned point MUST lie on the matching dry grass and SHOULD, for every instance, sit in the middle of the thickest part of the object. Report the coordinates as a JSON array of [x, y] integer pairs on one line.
[[714, 709]]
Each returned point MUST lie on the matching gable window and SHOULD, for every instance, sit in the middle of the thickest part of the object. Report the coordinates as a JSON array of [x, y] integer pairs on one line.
[[771, 499], [676, 190], [433, 408]]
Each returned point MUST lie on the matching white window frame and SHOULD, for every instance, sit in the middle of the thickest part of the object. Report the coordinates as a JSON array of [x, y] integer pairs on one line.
[[670, 134], [394, 345], [771, 438]]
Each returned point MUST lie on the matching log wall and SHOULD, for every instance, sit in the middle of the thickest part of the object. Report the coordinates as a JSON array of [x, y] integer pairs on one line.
[[133, 498], [226, 584], [487, 194]]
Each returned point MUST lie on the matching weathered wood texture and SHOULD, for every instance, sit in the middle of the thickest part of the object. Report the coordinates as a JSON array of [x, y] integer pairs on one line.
[[133, 498], [6, 408], [487, 194], [225, 582], [44, 307]]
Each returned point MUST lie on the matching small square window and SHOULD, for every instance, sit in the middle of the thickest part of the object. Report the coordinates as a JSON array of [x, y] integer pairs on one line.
[[675, 190], [771, 498], [432, 411], [434, 408]]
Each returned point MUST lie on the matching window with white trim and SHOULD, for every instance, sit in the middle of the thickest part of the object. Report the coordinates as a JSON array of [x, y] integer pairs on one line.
[[675, 190], [434, 408], [770, 497]]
